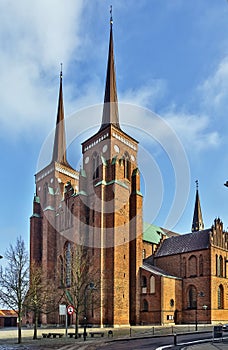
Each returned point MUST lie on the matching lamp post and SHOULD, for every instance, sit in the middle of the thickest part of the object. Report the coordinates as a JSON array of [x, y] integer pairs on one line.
[[200, 294], [1, 256], [226, 184]]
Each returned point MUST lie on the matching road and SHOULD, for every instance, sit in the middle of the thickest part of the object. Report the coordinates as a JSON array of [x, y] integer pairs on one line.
[[153, 343]]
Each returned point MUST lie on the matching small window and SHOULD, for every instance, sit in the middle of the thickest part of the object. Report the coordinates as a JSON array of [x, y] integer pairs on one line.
[[145, 306], [152, 284], [144, 285], [220, 297], [144, 254], [171, 302]]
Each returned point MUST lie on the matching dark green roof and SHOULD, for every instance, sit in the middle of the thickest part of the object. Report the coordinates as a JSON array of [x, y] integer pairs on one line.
[[152, 233]]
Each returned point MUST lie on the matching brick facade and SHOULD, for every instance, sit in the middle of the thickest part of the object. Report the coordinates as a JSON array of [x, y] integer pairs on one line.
[[182, 279]]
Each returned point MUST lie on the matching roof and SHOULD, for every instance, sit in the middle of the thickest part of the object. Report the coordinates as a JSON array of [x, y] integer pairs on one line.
[[152, 233], [157, 271], [184, 243], [8, 313]]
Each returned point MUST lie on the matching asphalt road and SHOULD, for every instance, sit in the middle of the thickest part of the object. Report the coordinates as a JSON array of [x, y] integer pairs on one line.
[[153, 343]]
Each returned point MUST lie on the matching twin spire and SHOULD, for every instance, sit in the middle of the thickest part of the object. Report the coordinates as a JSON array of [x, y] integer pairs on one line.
[[59, 149], [110, 108]]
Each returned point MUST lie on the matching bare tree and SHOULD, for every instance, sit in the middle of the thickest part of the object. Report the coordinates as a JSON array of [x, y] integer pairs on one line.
[[81, 282], [42, 297], [14, 280]]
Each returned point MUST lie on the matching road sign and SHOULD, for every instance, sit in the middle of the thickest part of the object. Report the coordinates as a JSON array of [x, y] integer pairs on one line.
[[70, 310], [62, 310]]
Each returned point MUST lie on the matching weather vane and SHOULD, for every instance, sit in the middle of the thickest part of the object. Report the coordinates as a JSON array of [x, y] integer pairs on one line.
[[111, 20]]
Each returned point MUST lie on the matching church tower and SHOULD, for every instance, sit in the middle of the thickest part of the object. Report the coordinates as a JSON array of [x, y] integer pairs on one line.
[[50, 185], [115, 209], [197, 222], [99, 208]]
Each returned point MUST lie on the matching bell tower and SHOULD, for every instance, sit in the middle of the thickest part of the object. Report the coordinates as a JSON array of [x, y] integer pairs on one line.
[[50, 185], [115, 209]]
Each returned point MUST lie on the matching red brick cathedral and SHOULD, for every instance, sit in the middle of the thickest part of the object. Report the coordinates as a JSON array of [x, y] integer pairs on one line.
[[146, 274]]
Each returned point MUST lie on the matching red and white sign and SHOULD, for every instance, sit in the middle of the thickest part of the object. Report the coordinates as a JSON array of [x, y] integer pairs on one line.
[[70, 310]]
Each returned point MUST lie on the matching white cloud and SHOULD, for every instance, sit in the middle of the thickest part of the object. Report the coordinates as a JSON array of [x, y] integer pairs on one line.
[[214, 90], [193, 130], [34, 38], [145, 96]]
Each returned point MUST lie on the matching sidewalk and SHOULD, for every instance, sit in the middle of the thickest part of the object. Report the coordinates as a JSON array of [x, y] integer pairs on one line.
[[218, 345]]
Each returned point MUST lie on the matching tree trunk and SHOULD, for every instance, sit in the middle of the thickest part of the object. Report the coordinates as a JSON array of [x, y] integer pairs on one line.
[[19, 329], [76, 326], [35, 325]]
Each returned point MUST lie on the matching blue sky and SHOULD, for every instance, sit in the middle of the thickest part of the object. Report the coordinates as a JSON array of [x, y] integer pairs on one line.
[[171, 59]]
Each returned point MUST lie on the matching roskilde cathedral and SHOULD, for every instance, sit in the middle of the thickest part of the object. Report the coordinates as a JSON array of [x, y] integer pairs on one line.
[[148, 275]]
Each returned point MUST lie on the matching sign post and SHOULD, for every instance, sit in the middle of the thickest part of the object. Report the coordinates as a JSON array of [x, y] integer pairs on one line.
[[63, 312]]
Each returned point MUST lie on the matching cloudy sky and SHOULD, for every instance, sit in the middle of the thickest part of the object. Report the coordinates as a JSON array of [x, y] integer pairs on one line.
[[172, 77]]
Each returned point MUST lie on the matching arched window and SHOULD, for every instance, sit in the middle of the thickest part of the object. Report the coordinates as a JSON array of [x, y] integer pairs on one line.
[[127, 166], [152, 284], [144, 284], [72, 215], [220, 266], [184, 268], [192, 296], [68, 263], [61, 220], [45, 193], [201, 265], [95, 165], [144, 254], [67, 213], [61, 271], [145, 306], [217, 265], [220, 297], [192, 266]]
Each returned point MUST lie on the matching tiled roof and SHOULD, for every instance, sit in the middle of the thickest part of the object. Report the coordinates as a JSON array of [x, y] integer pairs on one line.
[[184, 243], [8, 313], [157, 271]]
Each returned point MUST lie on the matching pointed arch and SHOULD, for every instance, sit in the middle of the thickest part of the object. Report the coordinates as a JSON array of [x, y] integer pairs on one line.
[[61, 268], [220, 297], [184, 272], [95, 160], [68, 262], [152, 284], [192, 297], [201, 265], [127, 166], [192, 266], [145, 306], [45, 194]]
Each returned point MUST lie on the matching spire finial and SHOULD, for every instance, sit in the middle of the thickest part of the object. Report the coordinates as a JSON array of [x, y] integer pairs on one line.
[[197, 184], [111, 20]]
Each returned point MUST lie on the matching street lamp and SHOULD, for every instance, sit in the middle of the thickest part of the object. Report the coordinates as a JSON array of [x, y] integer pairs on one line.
[[200, 294], [226, 184], [1, 256]]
